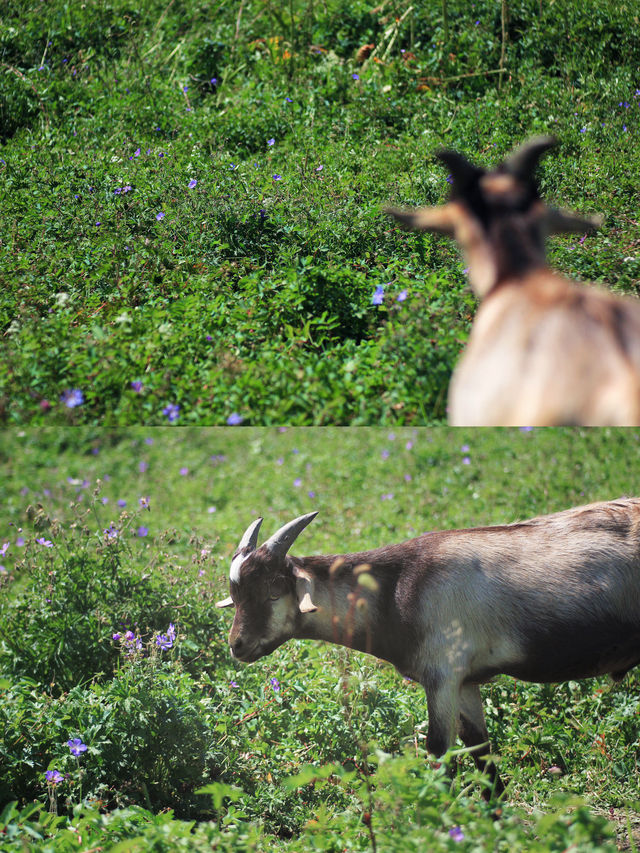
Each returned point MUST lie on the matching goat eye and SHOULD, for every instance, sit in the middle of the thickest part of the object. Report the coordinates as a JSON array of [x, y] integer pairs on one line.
[[276, 590]]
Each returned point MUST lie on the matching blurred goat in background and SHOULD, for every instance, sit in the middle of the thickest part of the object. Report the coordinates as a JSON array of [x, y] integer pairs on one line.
[[543, 350]]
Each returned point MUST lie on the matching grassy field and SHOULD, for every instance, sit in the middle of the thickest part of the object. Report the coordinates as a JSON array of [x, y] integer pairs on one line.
[[314, 747], [191, 197]]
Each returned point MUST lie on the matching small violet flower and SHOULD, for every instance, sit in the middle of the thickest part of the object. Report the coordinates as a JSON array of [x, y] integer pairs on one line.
[[378, 295], [53, 777], [171, 412], [76, 746], [72, 397]]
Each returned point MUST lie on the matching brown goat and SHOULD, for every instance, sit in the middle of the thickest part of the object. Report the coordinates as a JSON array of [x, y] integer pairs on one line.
[[552, 599], [543, 349]]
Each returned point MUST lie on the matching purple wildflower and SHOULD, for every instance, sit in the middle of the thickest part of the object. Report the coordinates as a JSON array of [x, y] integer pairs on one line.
[[275, 685], [378, 295], [164, 642], [234, 419], [160, 216], [192, 184], [137, 385], [46, 542], [115, 637], [142, 531], [171, 412], [297, 482], [76, 746], [111, 532], [4, 549], [355, 76], [53, 776], [72, 397], [277, 177], [456, 833], [271, 142], [121, 503], [401, 296], [184, 472]]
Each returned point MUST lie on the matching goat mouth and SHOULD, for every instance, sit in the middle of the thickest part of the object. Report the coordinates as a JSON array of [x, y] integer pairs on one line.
[[250, 655]]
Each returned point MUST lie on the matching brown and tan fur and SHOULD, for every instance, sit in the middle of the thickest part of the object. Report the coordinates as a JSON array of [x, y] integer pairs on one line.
[[550, 599], [543, 350]]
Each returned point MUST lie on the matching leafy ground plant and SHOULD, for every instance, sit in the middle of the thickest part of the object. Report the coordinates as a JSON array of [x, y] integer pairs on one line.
[[192, 228], [125, 721]]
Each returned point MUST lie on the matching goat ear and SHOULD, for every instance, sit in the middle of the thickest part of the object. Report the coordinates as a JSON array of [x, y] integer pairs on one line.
[[283, 539], [304, 590], [522, 162], [227, 602], [563, 222], [438, 219]]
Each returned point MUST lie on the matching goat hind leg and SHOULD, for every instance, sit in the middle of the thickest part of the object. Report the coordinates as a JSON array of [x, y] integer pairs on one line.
[[472, 729]]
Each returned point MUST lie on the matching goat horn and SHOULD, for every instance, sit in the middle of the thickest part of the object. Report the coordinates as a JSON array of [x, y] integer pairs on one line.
[[283, 539], [522, 162], [248, 543], [250, 537], [462, 171]]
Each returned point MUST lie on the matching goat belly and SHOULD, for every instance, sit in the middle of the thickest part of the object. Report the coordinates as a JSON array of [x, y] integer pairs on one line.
[[579, 651]]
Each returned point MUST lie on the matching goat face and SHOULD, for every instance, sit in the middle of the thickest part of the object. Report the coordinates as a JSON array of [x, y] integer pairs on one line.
[[268, 591], [497, 217]]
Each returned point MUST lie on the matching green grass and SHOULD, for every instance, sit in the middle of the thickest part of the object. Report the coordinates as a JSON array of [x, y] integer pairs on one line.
[[252, 296], [302, 766]]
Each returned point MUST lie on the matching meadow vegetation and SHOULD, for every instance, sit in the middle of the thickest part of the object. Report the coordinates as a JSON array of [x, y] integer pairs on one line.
[[126, 725], [191, 196]]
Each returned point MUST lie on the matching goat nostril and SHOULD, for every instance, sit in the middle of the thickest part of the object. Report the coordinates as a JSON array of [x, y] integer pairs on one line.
[[238, 646]]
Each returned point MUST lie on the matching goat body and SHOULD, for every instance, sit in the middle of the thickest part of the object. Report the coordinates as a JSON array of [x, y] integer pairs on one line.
[[550, 599], [543, 350]]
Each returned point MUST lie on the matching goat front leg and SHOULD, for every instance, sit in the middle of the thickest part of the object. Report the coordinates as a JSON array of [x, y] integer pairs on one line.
[[472, 729]]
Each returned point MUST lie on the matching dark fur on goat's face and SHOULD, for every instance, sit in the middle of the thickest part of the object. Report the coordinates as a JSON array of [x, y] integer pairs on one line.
[[497, 217], [265, 602]]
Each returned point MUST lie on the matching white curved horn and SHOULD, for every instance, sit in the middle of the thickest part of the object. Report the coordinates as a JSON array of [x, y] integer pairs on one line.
[[283, 539], [250, 537], [248, 543]]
